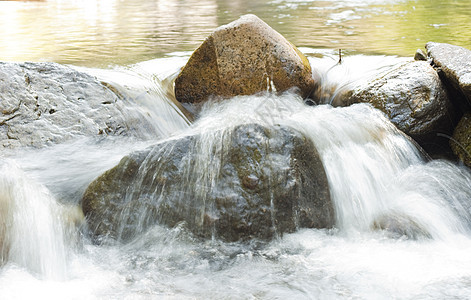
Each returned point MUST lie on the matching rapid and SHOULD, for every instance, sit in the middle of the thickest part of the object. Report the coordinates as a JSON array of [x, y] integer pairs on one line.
[[376, 176]]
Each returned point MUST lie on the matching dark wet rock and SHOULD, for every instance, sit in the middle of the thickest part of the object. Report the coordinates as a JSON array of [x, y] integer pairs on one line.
[[398, 226], [241, 183], [242, 58], [48, 103], [454, 63], [414, 99], [420, 55], [461, 141]]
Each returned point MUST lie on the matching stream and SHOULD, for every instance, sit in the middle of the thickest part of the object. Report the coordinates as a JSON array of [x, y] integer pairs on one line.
[[374, 171]]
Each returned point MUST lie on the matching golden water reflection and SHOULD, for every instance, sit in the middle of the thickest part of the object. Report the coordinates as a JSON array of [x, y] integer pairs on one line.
[[104, 32]]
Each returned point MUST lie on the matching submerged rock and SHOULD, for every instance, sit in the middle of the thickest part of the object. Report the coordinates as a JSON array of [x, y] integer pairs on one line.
[[398, 225], [236, 184], [454, 63], [242, 58], [413, 98], [47, 103], [461, 142]]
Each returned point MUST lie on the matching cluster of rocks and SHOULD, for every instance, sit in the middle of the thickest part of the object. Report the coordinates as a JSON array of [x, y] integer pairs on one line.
[[248, 196], [425, 98], [428, 99], [269, 180]]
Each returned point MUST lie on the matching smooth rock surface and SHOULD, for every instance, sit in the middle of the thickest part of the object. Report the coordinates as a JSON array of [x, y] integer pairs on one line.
[[461, 142], [249, 182], [455, 63], [413, 98], [242, 58], [48, 103]]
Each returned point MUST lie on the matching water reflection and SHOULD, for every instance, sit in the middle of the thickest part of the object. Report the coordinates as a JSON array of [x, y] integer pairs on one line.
[[99, 33]]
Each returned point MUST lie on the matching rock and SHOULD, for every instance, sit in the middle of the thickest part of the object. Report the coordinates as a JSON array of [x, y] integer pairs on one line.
[[398, 226], [413, 98], [461, 142], [240, 183], [420, 55], [454, 62], [242, 58], [48, 103]]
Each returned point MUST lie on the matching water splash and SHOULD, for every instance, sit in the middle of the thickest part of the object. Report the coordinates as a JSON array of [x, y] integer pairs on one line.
[[36, 232]]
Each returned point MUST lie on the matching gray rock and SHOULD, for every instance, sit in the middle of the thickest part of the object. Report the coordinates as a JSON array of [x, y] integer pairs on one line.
[[455, 63], [413, 97], [48, 103], [242, 58], [241, 183]]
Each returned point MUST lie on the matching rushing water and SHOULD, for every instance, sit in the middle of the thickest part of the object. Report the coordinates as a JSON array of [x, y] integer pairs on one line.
[[376, 175]]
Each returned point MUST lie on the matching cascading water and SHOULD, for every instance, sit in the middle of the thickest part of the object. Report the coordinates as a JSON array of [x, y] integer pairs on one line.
[[367, 161], [402, 221], [34, 228]]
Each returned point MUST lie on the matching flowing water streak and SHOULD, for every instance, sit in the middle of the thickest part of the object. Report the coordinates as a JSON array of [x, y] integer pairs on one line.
[[367, 160], [149, 94], [34, 233]]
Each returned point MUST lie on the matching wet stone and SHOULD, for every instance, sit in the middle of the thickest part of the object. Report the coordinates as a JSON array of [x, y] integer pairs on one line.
[[250, 182]]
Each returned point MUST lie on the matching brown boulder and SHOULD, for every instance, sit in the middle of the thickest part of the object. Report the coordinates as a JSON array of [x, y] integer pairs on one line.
[[242, 58]]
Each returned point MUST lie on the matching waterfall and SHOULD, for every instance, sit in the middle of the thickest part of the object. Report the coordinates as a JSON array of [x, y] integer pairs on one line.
[[35, 231], [376, 173]]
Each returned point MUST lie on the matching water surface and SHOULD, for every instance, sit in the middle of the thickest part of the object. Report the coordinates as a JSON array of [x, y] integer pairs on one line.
[[120, 32]]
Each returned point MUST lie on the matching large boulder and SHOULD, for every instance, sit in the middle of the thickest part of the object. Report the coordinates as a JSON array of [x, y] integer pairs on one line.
[[461, 141], [235, 184], [414, 99], [48, 103], [454, 63], [242, 58]]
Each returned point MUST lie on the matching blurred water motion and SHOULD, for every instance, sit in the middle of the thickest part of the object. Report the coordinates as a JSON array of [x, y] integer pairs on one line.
[[113, 32]]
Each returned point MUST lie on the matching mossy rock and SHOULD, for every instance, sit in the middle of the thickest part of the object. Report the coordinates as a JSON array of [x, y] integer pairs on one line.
[[245, 182], [461, 142], [242, 58]]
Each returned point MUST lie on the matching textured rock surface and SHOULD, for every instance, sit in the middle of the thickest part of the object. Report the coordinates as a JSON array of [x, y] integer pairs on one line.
[[413, 98], [249, 182], [47, 103], [242, 58], [455, 63], [461, 142]]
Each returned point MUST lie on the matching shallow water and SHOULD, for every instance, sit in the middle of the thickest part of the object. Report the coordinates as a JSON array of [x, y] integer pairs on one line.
[[112, 32]]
